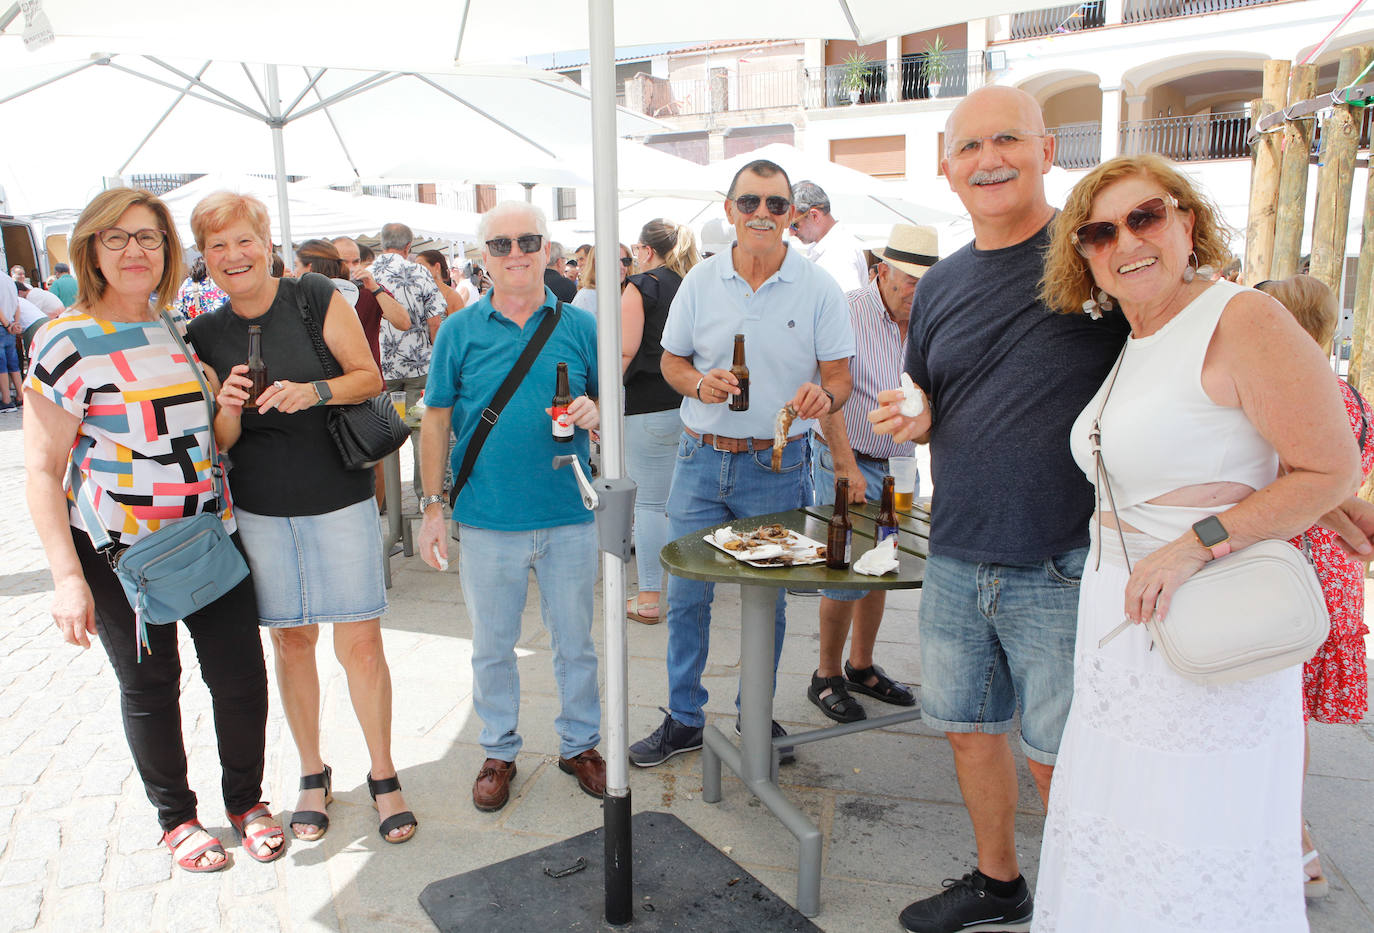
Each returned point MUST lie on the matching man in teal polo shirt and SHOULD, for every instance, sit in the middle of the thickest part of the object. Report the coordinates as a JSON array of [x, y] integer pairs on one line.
[[517, 513], [798, 341], [64, 286]]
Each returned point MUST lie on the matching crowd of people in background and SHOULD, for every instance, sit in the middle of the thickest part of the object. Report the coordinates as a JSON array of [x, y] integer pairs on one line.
[[1054, 338]]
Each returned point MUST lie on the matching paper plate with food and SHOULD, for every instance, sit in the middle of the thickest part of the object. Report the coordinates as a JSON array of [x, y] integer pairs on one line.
[[767, 546]]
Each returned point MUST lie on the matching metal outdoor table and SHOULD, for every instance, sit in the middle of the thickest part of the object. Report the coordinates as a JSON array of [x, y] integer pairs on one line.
[[756, 759]]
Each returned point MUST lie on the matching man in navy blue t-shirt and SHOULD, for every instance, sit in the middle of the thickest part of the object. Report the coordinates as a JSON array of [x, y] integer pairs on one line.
[[1004, 378]]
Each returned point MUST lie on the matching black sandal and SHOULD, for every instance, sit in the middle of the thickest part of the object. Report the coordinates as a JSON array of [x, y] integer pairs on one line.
[[838, 705], [395, 821], [886, 689], [324, 780]]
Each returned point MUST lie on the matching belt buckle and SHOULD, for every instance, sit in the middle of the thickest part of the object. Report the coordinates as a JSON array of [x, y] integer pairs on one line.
[[715, 444]]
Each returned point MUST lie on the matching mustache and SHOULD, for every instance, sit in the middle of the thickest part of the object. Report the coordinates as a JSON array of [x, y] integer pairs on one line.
[[993, 176], [762, 223]]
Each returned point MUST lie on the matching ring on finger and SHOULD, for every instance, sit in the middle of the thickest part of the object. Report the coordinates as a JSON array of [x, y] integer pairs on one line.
[[278, 384]]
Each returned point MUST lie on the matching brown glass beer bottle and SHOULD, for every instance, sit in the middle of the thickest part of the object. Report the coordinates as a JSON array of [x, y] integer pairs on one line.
[[741, 373], [562, 398], [257, 369], [886, 522], [838, 535]]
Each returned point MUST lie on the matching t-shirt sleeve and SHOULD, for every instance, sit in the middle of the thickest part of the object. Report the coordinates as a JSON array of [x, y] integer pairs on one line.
[[431, 301], [677, 329], [57, 370], [441, 386], [9, 296], [915, 362], [834, 327]]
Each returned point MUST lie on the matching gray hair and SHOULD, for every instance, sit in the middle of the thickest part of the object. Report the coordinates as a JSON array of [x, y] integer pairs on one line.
[[501, 208], [61, 268], [556, 252], [808, 194], [397, 237]]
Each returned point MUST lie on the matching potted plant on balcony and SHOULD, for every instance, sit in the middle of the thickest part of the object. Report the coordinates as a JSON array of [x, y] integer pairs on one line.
[[936, 65], [854, 75]]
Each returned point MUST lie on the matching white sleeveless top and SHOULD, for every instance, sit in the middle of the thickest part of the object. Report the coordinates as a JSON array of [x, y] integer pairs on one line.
[[1161, 432]]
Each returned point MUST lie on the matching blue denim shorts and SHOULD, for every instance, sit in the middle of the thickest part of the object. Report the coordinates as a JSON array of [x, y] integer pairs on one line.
[[9, 352], [995, 633], [312, 569]]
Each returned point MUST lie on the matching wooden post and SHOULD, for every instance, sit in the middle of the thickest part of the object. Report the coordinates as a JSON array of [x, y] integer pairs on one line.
[[1292, 209], [1340, 140], [1361, 335], [1264, 177]]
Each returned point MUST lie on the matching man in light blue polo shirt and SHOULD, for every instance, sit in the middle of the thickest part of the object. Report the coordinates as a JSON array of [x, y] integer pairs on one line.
[[798, 341], [517, 513]]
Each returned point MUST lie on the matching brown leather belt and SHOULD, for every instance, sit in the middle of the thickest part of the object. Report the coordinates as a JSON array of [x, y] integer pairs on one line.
[[736, 445], [883, 460]]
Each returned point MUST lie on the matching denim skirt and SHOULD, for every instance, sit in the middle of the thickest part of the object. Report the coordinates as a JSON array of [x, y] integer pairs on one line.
[[309, 569]]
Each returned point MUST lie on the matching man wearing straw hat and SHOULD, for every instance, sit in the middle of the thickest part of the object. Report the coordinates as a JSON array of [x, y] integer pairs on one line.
[[844, 444]]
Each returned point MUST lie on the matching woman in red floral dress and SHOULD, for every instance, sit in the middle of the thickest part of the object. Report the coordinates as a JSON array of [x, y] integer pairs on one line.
[[1335, 684]]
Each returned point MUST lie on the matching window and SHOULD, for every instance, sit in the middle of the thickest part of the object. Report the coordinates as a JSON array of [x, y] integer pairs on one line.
[[879, 156], [485, 195], [566, 199]]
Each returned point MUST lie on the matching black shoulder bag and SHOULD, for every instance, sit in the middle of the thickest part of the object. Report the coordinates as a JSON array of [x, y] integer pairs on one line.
[[366, 432], [499, 400]]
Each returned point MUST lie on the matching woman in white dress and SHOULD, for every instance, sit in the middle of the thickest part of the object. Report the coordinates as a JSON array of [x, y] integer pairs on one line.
[[1175, 806]]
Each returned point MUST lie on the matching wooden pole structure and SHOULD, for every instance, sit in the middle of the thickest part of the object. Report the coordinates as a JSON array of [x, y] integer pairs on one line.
[[1264, 177], [1340, 140], [1361, 335], [1292, 209]]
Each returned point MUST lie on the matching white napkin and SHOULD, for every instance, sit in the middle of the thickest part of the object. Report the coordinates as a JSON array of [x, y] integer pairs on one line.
[[878, 561]]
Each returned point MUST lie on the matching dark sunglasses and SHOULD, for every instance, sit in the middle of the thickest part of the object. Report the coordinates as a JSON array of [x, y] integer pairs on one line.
[[529, 243], [625, 261], [777, 205], [1144, 219]]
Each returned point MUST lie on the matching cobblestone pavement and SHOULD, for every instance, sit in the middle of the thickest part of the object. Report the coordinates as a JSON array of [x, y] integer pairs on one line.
[[79, 843]]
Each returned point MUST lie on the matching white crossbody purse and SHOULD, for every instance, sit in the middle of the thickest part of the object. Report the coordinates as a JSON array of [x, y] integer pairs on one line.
[[1250, 613]]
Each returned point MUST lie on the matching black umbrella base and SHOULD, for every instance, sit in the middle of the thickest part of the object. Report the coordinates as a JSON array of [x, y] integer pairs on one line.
[[681, 882]]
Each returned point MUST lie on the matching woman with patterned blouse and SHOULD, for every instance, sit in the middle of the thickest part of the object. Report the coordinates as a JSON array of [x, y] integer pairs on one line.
[[115, 406]]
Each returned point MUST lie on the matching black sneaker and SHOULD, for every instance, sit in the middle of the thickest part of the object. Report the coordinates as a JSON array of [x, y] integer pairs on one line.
[[966, 906], [669, 739], [786, 753]]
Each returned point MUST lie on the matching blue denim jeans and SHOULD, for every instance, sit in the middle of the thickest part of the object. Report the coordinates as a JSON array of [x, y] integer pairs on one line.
[[995, 633], [650, 449], [709, 488], [495, 571]]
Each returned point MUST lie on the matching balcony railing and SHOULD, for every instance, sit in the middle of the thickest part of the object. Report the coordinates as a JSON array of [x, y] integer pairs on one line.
[[1078, 145], [1141, 11], [958, 71], [759, 91], [1058, 19], [1190, 139]]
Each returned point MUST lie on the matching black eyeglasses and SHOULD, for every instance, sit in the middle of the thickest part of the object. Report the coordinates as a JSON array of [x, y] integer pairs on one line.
[[116, 238], [529, 243], [1146, 218], [776, 204]]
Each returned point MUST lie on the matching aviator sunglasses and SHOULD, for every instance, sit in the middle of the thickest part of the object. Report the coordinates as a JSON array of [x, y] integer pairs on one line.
[[777, 205], [1147, 218], [529, 243]]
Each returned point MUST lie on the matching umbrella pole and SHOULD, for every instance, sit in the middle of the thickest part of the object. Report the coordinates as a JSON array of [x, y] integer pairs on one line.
[[619, 873], [279, 164]]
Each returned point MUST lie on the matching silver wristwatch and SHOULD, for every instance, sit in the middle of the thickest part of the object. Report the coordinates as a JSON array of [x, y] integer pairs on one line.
[[427, 501]]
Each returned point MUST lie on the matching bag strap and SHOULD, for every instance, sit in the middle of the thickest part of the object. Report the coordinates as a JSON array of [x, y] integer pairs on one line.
[[1364, 415], [313, 328], [498, 401], [85, 502]]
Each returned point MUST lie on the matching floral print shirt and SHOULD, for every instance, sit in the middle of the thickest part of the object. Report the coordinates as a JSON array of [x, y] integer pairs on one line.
[[405, 353]]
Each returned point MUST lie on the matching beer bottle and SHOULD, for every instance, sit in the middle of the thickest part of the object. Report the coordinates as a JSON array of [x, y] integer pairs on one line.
[[257, 369], [837, 537], [887, 512], [562, 398], [740, 372]]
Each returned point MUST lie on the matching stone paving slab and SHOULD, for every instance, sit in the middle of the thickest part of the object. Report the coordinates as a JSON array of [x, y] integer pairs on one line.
[[78, 839]]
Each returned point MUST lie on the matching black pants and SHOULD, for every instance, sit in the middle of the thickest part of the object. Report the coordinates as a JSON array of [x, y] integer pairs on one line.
[[229, 648]]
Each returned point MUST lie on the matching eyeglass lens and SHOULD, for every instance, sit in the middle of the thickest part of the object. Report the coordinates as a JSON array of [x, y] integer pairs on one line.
[[117, 238], [1142, 220], [501, 245], [776, 204], [1002, 142]]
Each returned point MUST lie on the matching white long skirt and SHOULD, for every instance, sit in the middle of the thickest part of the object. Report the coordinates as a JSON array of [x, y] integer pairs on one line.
[[1174, 806]]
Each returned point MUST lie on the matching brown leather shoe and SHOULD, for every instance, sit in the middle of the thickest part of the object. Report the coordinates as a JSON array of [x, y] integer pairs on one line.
[[491, 790], [590, 770]]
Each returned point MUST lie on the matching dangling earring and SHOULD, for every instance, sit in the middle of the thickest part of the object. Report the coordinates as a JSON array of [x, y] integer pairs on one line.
[[1193, 270], [1094, 306]]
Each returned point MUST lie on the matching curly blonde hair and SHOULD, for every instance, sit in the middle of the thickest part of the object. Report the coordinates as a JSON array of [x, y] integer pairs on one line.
[[1068, 282]]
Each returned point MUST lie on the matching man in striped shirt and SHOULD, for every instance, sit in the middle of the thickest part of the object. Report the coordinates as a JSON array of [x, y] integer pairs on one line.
[[845, 445]]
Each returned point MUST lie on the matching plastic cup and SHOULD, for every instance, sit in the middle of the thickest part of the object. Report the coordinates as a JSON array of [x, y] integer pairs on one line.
[[398, 401], [903, 470]]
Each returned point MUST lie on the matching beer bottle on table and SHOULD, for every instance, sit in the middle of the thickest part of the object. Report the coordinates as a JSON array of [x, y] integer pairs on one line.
[[741, 373], [562, 398], [838, 535], [886, 523], [257, 369]]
